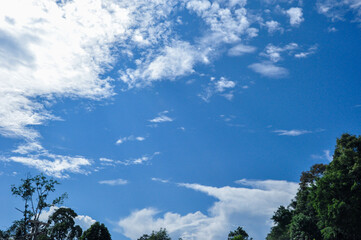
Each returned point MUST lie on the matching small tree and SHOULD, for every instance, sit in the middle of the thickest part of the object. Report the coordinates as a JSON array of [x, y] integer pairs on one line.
[[160, 235], [34, 191], [239, 234]]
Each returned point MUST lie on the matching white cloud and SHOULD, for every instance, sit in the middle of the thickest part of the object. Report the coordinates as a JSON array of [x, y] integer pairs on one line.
[[162, 117], [273, 26], [224, 84], [114, 182], [223, 87], [84, 221], [241, 49], [51, 50], [226, 22], [248, 207], [129, 138], [292, 133], [268, 69], [296, 16], [274, 52], [173, 61]]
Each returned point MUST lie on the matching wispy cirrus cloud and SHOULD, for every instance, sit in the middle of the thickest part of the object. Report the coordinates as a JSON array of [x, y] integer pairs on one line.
[[326, 155], [252, 206], [162, 117], [160, 180], [223, 87], [114, 182], [132, 161], [129, 138], [293, 132], [336, 10]]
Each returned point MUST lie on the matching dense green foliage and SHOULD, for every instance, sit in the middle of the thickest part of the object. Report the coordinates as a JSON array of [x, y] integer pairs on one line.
[[328, 202]]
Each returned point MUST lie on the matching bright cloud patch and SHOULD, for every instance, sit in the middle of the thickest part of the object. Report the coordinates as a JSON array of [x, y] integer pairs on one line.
[[52, 51], [241, 49], [268, 69], [296, 16], [251, 207]]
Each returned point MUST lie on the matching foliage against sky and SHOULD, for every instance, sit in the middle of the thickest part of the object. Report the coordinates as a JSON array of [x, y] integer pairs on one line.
[[193, 115]]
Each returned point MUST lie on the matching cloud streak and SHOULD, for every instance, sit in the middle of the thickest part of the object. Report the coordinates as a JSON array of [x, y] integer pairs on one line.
[[293, 132], [115, 182]]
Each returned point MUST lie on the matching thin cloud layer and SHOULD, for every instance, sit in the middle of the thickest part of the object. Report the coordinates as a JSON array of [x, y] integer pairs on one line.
[[252, 207], [293, 132]]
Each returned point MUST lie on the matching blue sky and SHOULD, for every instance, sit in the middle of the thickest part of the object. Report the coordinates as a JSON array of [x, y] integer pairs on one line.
[[196, 116]]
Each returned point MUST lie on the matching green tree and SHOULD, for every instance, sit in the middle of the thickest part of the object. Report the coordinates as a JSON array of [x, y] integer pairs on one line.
[[63, 225], [239, 234], [337, 195], [160, 235], [304, 221], [96, 231]]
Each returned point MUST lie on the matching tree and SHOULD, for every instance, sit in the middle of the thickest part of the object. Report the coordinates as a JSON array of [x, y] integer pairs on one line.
[[34, 191], [239, 234], [282, 220], [328, 203], [63, 225], [160, 235], [337, 195], [96, 231]]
